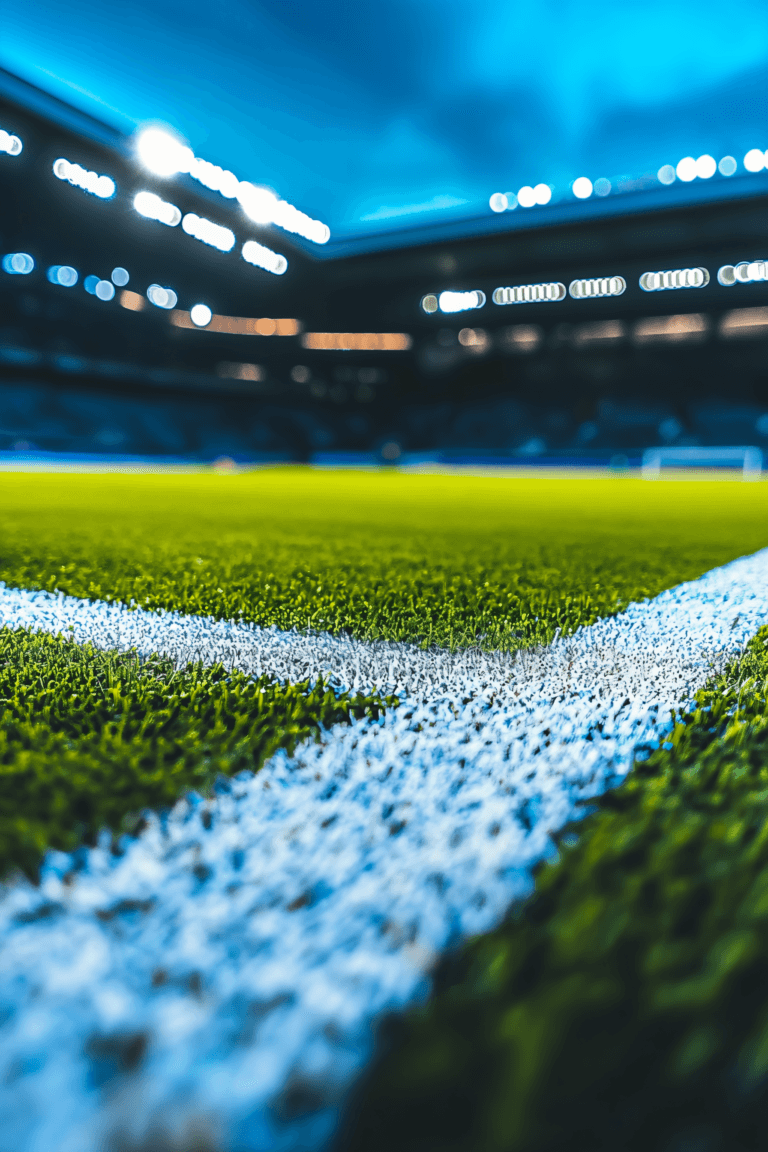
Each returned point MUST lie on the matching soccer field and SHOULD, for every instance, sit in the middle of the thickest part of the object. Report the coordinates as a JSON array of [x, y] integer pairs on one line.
[[376, 700]]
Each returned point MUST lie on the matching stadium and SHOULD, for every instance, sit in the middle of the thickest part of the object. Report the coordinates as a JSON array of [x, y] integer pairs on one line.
[[383, 578]]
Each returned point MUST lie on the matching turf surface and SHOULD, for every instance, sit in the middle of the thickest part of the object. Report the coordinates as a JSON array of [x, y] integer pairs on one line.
[[626, 1005], [446, 560], [88, 739]]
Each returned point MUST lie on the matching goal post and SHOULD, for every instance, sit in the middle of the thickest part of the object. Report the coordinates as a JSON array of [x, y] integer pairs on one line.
[[746, 459]]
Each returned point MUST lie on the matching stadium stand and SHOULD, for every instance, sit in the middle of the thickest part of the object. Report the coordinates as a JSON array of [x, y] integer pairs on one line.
[[351, 350]]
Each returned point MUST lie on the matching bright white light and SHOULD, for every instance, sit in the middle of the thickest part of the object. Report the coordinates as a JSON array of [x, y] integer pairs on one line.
[[498, 202], [120, 277], [163, 153], [727, 166], [530, 294], [542, 193], [215, 178], [161, 297], [105, 290], [674, 278], [526, 197], [18, 263], [263, 207], [582, 188], [666, 174], [754, 161], [686, 169], [62, 274], [10, 144], [706, 166], [747, 272], [200, 315], [149, 205], [257, 203], [602, 187], [264, 257], [460, 301], [214, 234], [101, 186], [429, 303], [602, 286]]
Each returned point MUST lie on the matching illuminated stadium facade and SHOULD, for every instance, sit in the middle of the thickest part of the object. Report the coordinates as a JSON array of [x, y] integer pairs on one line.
[[594, 327]]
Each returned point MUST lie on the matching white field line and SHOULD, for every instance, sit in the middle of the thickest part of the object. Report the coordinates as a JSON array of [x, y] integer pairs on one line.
[[252, 940]]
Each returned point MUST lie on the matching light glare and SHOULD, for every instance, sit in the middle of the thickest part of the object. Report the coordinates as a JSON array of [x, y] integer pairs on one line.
[[754, 161], [530, 294], [18, 264], [201, 315], [161, 297], [666, 174], [209, 233], [498, 202], [674, 278], [162, 153], [686, 169], [460, 301], [12, 145], [727, 166], [104, 290], [263, 257], [602, 286], [706, 166], [149, 205], [120, 277], [102, 186], [582, 188], [62, 274]]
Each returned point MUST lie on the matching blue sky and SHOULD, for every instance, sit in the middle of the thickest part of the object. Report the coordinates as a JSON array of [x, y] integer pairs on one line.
[[399, 112]]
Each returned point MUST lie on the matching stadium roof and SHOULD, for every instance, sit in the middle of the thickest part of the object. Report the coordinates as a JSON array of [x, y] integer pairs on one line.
[[385, 120]]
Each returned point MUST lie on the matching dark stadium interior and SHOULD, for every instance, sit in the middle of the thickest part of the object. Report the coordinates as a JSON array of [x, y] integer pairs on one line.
[[575, 378]]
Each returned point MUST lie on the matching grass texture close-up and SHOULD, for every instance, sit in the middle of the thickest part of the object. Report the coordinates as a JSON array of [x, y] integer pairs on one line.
[[89, 739], [626, 1004], [432, 559], [386, 806]]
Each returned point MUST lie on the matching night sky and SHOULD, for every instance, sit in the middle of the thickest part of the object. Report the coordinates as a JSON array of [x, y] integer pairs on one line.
[[371, 115]]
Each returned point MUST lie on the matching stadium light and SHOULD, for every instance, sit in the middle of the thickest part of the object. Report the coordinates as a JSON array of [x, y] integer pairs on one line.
[[200, 315], [674, 278], [263, 257], [530, 294], [754, 161], [582, 188], [601, 286], [62, 274], [747, 272], [161, 297], [264, 207], [149, 205], [166, 155], [209, 233], [102, 186], [456, 301], [10, 144], [162, 153], [18, 263]]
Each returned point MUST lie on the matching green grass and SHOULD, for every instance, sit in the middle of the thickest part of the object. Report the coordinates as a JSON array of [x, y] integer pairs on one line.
[[446, 560], [625, 1007], [88, 739]]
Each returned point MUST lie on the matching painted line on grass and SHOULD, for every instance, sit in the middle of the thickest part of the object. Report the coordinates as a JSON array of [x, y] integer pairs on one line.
[[230, 962]]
